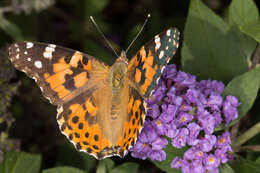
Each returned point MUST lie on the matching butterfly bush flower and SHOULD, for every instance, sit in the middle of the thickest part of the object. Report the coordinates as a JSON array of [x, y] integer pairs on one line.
[[184, 112]]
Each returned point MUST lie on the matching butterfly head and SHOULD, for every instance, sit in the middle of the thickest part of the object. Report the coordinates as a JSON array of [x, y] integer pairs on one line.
[[122, 58]]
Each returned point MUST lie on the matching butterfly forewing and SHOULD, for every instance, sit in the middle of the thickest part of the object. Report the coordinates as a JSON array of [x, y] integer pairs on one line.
[[61, 73], [146, 67]]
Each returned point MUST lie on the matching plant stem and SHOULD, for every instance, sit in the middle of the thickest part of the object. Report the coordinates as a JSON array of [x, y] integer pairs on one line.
[[247, 135], [255, 148]]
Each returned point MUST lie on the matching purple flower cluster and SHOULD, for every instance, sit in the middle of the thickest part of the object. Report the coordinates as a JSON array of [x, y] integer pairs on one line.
[[186, 112]]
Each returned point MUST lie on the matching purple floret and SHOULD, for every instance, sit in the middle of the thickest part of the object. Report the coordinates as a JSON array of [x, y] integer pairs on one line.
[[185, 113]]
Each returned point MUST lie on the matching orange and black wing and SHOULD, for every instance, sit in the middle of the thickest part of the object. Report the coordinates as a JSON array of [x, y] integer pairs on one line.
[[60, 73], [77, 83], [146, 67]]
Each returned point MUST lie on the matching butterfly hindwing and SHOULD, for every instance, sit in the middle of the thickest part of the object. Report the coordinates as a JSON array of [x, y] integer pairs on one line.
[[133, 123], [84, 120], [146, 67], [60, 72]]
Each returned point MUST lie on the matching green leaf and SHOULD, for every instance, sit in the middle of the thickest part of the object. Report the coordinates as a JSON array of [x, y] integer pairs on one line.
[[109, 163], [210, 48], [252, 29], [77, 159], [248, 44], [64, 169], [17, 162], [225, 168], [245, 87], [242, 12], [92, 7], [128, 167], [258, 160], [171, 153], [10, 28], [245, 166]]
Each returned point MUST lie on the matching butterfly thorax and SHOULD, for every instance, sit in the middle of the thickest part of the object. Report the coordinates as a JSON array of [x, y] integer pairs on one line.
[[118, 72]]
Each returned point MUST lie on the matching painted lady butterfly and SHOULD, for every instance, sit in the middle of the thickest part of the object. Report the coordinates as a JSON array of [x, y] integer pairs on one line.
[[101, 109]]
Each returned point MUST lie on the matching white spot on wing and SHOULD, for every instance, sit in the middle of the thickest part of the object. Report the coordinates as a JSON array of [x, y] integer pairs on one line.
[[168, 33], [29, 59], [48, 51], [35, 79], [17, 50], [25, 52], [156, 38], [157, 42], [60, 109], [162, 69], [170, 40], [47, 55], [161, 54], [52, 45], [157, 46], [17, 56], [29, 45], [38, 64], [167, 47]]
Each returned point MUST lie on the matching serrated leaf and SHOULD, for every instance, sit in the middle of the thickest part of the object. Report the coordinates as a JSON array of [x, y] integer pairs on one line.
[[128, 167], [225, 168], [171, 153], [252, 29], [17, 162], [210, 48], [245, 87], [10, 28], [242, 12], [64, 169]]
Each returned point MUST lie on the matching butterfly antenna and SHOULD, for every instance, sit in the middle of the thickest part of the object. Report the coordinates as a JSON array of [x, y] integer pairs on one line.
[[99, 30], [148, 16]]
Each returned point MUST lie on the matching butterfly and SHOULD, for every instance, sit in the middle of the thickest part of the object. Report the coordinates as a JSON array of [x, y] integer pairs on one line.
[[100, 109]]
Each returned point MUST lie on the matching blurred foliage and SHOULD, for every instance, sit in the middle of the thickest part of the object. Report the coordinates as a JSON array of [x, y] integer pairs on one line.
[[218, 41], [7, 90]]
